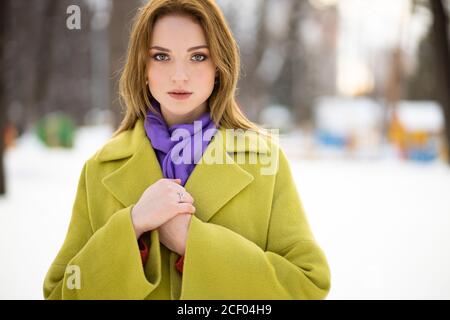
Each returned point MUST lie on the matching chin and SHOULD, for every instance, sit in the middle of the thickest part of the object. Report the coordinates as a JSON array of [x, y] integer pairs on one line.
[[180, 110]]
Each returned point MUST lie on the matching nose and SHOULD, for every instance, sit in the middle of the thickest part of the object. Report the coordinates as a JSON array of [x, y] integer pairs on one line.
[[180, 73]]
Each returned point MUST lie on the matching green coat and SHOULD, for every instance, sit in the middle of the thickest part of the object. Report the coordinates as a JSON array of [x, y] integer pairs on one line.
[[249, 237]]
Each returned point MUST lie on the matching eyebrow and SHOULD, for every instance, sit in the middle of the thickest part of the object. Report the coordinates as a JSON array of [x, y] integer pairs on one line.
[[190, 49]]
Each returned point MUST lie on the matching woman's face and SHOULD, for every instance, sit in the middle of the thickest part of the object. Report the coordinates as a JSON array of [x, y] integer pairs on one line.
[[180, 61]]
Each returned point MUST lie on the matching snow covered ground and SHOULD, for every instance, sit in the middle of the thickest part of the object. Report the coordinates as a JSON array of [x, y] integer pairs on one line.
[[384, 225]]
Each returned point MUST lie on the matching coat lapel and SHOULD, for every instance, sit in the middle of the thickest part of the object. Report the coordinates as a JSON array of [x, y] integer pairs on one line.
[[211, 185], [128, 182]]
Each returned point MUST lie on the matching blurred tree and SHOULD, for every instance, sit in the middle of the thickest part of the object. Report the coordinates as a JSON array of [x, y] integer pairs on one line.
[[119, 32], [394, 88], [309, 65], [288, 86], [3, 12], [441, 40], [431, 79], [288, 54], [43, 61], [48, 65], [421, 85], [252, 94]]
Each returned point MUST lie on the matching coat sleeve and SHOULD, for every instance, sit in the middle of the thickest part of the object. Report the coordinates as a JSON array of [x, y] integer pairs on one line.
[[222, 264], [105, 264]]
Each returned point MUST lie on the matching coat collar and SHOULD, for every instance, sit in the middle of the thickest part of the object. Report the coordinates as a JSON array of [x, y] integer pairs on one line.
[[211, 185]]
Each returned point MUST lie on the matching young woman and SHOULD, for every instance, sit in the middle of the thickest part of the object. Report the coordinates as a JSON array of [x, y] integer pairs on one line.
[[215, 225]]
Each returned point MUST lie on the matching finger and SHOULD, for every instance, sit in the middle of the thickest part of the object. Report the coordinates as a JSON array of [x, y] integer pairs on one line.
[[185, 208], [177, 181], [186, 196]]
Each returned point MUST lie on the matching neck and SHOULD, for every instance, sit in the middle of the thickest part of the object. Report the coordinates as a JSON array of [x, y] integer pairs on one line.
[[188, 118]]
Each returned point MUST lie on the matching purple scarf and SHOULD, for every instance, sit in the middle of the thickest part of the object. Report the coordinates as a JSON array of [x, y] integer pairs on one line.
[[180, 165]]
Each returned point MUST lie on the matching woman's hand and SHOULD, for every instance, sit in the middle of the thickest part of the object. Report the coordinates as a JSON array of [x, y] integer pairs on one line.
[[160, 203], [173, 234]]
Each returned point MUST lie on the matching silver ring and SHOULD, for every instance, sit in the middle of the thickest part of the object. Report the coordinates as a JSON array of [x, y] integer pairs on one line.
[[180, 195]]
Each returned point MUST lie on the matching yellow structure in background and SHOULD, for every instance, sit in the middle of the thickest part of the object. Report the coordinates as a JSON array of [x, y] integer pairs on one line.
[[416, 129]]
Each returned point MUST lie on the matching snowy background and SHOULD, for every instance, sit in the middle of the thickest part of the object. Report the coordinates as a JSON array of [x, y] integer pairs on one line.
[[384, 225]]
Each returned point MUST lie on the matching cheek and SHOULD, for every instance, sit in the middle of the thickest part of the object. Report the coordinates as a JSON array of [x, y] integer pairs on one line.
[[155, 72], [156, 81], [204, 76]]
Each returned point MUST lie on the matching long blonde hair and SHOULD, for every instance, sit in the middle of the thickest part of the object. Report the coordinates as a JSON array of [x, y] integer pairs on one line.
[[133, 90]]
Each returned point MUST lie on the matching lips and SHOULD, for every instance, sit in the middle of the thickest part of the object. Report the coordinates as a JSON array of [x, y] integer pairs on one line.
[[180, 91], [180, 94]]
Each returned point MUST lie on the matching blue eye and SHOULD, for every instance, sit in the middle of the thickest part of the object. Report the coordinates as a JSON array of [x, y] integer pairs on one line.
[[165, 57], [202, 57], [158, 56]]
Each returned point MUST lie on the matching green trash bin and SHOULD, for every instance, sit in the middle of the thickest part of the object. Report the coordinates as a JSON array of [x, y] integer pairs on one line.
[[56, 130]]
